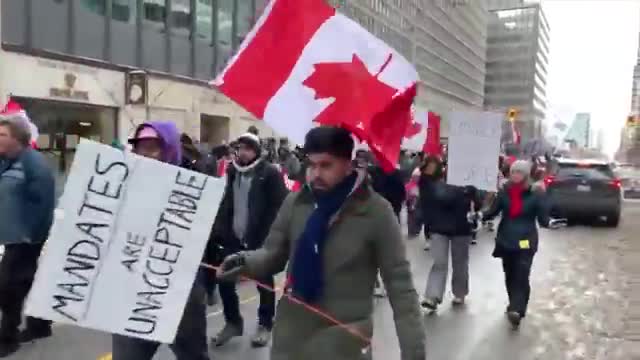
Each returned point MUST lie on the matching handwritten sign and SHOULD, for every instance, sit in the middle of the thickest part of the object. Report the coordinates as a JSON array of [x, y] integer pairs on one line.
[[474, 148], [126, 244]]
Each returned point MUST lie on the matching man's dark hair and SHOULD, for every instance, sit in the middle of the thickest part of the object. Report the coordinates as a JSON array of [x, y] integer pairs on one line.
[[331, 140], [19, 130], [254, 130], [186, 139]]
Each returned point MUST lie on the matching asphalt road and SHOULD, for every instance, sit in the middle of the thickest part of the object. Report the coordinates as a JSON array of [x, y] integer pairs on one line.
[[579, 309]]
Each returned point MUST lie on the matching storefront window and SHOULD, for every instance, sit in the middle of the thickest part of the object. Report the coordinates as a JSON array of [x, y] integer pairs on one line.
[[181, 15], [123, 10], [155, 10], [204, 19], [97, 6], [61, 126]]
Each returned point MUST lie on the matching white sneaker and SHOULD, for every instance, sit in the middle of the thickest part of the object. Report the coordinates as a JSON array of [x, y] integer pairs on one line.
[[427, 246], [458, 301], [429, 304], [379, 292]]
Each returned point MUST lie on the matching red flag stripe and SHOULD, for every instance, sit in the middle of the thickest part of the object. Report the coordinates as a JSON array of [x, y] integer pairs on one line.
[[254, 86], [432, 142]]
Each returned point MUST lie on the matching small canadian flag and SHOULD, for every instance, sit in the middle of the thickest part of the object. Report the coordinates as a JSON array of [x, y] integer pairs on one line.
[[12, 108], [304, 63]]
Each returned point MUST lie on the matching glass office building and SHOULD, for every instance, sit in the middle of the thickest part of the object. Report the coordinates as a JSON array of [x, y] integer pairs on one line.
[[517, 62], [68, 63], [192, 38]]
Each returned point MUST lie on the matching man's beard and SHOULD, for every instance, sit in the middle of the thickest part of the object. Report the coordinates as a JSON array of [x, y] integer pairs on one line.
[[243, 162]]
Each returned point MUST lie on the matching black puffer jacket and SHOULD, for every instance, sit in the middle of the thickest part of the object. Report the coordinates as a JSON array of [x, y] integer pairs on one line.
[[389, 185], [445, 207]]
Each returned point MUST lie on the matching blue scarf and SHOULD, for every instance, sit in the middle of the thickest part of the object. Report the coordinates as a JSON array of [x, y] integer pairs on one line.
[[307, 274]]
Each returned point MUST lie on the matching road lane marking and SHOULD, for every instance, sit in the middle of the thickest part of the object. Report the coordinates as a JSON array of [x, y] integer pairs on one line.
[[243, 302], [209, 315]]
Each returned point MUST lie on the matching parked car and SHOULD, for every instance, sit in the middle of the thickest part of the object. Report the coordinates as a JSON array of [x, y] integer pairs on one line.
[[584, 189], [630, 178]]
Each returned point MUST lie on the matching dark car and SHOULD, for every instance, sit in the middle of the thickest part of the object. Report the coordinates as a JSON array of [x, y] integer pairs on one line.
[[584, 189], [630, 178]]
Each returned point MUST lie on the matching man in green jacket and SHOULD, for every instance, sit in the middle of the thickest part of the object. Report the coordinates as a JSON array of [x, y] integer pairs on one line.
[[336, 234]]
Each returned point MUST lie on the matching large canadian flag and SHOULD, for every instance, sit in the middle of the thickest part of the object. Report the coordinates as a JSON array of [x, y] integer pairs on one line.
[[416, 134], [304, 63]]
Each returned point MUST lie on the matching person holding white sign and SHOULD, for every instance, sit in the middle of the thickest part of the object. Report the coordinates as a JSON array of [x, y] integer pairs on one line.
[[446, 212], [27, 200], [161, 141]]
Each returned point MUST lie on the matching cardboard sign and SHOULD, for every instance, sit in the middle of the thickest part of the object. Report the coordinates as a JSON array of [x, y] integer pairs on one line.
[[126, 244], [474, 149]]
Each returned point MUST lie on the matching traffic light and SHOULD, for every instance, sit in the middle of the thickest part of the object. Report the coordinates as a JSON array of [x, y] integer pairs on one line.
[[512, 114]]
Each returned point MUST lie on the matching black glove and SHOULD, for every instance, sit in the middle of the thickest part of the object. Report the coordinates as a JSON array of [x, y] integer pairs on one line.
[[232, 267], [470, 191]]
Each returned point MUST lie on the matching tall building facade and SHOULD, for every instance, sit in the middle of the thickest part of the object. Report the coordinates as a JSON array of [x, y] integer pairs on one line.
[[517, 62], [580, 131], [629, 150], [445, 39], [635, 87], [97, 68]]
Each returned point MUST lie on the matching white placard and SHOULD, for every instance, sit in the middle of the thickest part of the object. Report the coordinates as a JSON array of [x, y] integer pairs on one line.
[[126, 244], [474, 148]]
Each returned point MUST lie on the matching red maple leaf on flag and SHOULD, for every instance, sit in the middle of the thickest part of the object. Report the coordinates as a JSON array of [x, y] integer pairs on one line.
[[374, 111], [358, 95], [412, 130]]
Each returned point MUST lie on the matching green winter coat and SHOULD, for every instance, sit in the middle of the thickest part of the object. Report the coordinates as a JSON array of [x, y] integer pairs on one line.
[[364, 238]]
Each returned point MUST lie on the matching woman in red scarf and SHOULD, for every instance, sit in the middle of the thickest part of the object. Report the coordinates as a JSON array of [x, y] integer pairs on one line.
[[520, 205]]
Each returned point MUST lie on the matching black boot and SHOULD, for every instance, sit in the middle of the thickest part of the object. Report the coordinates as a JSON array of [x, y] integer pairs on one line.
[[8, 347], [32, 334]]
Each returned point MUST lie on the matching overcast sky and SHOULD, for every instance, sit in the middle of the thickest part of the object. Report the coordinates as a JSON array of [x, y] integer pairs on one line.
[[592, 53]]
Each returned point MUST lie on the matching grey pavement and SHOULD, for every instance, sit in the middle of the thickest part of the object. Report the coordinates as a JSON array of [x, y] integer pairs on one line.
[[584, 305]]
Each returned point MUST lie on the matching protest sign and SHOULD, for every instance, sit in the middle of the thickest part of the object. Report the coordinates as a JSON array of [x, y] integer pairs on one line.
[[126, 244], [474, 148]]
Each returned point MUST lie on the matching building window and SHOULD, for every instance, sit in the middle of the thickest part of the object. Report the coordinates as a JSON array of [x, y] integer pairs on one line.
[[181, 15], [97, 6], [245, 19], [225, 32], [123, 10], [204, 19], [155, 10]]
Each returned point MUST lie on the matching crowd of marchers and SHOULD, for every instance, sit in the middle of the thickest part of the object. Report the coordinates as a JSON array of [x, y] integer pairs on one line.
[[337, 238]]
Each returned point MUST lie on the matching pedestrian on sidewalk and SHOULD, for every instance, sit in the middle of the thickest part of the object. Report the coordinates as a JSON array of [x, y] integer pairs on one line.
[[161, 141], [446, 211], [254, 192], [27, 202], [520, 205], [336, 235]]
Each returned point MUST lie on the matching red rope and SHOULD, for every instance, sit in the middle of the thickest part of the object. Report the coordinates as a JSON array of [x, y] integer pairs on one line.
[[350, 329]]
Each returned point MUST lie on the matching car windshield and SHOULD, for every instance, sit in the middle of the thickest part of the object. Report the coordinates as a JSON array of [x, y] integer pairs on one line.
[[590, 171]]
